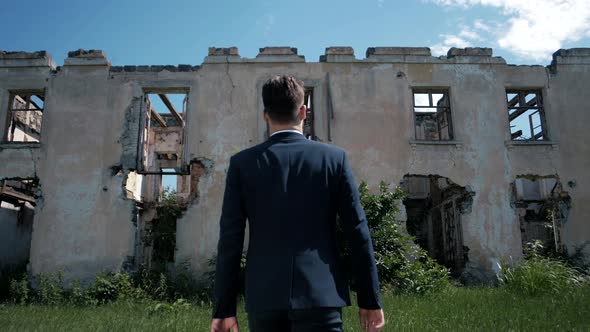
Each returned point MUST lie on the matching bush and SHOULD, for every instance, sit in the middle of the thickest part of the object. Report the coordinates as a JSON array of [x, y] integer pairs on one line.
[[539, 275], [9, 273], [400, 263], [20, 290], [113, 286], [50, 289]]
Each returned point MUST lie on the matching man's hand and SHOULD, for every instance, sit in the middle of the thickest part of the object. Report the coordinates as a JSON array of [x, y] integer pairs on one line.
[[224, 325], [371, 320]]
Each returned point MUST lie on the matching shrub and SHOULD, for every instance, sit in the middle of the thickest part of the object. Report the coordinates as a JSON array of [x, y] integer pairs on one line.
[[9, 273], [50, 289], [400, 263], [538, 275], [20, 290], [112, 286]]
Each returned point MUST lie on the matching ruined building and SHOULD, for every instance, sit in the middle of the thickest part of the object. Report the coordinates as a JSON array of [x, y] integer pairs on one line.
[[492, 155]]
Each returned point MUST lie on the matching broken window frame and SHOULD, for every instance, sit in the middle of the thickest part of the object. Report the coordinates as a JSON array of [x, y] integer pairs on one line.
[[309, 123], [446, 111], [145, 122], [520, 99], [8, 135]]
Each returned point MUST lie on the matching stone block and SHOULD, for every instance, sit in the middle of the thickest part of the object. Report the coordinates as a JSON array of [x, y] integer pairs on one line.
[[469, 51], [228, 51], [339, 50], [86, 58], [277, 50], [397, 51], [26, 59], [583, 52], [80, 53]]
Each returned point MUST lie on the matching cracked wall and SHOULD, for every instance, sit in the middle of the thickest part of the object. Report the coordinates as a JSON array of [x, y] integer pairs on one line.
[[85, 222]]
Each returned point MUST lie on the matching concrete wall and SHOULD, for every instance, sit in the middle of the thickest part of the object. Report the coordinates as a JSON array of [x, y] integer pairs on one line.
[[84, 223]]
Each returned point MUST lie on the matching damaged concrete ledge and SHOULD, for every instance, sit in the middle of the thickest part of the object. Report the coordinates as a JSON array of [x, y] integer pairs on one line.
[[338, 54], [398, 54], [266, 54], [572, 56], [511, 144], [153, 69], [457, 144], [20, 145], [469, 51], [86, 58], [10, 59], [279, 54], [223, 55], [423, 55]]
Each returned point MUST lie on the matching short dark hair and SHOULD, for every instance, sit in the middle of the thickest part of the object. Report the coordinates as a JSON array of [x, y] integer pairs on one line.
[[282, 97]]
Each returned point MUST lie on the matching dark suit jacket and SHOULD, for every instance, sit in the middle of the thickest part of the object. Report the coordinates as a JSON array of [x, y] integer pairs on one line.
[[290, 190]]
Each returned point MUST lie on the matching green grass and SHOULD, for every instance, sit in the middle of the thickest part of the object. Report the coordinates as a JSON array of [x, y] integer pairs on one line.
[[457, 309]]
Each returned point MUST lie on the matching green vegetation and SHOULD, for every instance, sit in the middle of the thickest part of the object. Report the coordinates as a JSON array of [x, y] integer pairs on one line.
[[539, 274], [540, 293], [454, 309], [402, 265]]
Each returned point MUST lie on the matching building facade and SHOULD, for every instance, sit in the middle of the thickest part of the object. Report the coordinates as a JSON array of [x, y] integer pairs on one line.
[[492, 155]]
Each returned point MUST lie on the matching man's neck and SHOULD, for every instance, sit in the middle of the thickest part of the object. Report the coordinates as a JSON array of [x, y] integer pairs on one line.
[[274, 129]]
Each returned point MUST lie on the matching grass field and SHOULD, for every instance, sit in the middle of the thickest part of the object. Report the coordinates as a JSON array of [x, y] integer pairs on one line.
[[458, 309]]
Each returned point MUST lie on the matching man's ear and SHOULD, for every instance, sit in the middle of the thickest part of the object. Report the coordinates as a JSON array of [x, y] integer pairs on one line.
[[266, 118], [302, 112]]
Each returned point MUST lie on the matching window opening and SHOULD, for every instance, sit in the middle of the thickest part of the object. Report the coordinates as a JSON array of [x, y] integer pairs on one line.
[[434, 207], [17, 211], [542, 207], [308, 123], [526, 115], [432, 115], [162, 133], [24, 118]]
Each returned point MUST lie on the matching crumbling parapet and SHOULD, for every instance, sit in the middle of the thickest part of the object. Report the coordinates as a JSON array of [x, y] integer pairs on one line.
[[572, 56], [473, 55], [222, 55], [279, 54], [338, 54], [86, 58], [154, 68], [26, 59], [469, 51]]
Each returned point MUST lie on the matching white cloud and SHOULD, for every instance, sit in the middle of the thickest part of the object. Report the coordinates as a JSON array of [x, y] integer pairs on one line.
[[448, 42], [480, 25], [534, 29], [468, 33]]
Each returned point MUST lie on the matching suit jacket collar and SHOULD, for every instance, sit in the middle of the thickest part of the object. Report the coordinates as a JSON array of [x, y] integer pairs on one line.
[[287, 135]]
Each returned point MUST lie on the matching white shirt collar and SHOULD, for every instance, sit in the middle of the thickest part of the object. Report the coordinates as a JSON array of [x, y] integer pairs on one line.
[[287, 131]]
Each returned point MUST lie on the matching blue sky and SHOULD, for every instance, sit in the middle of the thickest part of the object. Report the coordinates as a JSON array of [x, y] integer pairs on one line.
[[179, 32]]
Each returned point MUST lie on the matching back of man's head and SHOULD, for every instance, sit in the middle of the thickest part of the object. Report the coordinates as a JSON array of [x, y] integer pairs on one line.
[[282, 97]]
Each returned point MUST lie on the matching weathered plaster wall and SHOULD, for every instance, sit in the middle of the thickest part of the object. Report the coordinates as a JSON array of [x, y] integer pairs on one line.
[[84, 224]]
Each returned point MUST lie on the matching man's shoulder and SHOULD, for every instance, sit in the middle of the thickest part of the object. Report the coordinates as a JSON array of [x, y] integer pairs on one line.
[[324, 148], [327, 148]]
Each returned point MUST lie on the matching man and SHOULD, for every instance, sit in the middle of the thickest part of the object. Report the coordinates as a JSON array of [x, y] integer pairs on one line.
[[290, 190]]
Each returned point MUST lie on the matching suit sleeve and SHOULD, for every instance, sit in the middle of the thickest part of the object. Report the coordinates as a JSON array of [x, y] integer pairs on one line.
[[356, 232], [230, 245]]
